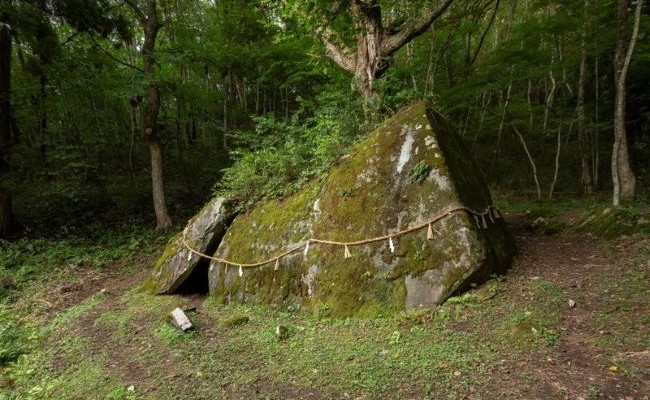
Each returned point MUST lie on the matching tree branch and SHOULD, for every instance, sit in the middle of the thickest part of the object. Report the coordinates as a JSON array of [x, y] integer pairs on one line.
[[139, 13], [480, 43], [341, 56], [397, 41], [117, 60]]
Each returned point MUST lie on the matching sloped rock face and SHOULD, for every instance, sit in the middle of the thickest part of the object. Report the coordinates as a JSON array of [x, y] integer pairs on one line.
[[402, 175], [204, 233]]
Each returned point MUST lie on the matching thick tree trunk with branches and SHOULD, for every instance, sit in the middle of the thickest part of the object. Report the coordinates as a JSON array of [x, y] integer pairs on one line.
[[375, 43], [7, 221], [150, 23], [623, 176]]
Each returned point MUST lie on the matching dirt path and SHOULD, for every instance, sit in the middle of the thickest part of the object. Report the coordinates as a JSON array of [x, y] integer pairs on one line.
[[603, 343]]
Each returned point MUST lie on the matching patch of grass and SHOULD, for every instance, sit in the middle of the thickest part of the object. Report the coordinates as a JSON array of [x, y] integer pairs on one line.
[[16, 338], [171, 335], [617, 322], [543, 208], [532, 325], [59, 259], [74, 312], [440, 353], [368, 356], [84, 380], [527, 327], [612, 222], [235, 321], [117, 323]]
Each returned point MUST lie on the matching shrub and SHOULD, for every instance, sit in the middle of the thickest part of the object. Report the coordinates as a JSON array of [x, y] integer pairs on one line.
[[279, 156]]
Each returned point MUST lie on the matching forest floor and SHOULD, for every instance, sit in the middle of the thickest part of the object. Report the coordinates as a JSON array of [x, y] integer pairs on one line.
[[570, 320]]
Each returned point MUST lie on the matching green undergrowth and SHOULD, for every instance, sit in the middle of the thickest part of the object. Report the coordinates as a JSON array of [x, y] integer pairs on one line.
[[278, 157], [35, 273], [544, 207], [594, 215], [611, 222], [123, 347], [625, 299], [61, 258]]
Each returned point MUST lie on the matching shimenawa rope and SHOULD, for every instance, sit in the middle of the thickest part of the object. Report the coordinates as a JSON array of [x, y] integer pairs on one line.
[[479, 217]]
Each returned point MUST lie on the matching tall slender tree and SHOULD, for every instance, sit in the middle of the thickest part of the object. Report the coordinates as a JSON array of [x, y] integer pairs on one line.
[[7, 220], [148, 17], [623, 176], [586, 184]]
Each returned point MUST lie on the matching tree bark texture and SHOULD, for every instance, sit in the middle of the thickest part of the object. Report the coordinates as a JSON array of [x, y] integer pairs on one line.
[[623, 178], [7, 220]]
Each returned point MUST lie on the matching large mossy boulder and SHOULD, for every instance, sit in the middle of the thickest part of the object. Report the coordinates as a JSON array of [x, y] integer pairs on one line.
[[402, 175], [203, 233]]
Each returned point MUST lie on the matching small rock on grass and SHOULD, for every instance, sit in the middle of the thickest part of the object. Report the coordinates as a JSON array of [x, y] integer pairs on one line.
[[180, 320], [281, 332], [571, 303]]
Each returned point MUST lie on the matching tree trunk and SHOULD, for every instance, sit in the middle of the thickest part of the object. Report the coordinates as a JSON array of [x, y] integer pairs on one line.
[[586, 185], [549, 98], [557, 161], [369, 64], [163, 220], [623, 176], [530, 160], [7, 220], [151, 27], [375, 44], [595, 148]]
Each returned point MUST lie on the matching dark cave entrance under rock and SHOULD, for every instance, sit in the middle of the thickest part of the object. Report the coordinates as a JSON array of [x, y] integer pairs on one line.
[[197, 282]]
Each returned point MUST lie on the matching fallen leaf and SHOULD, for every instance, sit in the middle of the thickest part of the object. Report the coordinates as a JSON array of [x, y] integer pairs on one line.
[[613, 368]]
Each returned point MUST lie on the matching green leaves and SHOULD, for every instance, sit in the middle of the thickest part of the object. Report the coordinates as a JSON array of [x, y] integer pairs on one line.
[[278, 157]]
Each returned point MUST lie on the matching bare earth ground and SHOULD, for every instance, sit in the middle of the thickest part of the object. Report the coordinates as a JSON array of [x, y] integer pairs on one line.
[[594, 274], [571, 320]]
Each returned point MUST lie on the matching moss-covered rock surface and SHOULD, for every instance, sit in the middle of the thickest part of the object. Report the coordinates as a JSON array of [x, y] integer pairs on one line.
[[204, 233], [402, 175]]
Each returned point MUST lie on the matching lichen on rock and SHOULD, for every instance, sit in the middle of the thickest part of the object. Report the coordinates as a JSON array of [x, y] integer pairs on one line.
[[368, 194]]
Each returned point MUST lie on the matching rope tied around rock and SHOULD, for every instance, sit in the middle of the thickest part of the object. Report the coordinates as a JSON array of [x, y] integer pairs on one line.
[[490, 212]]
